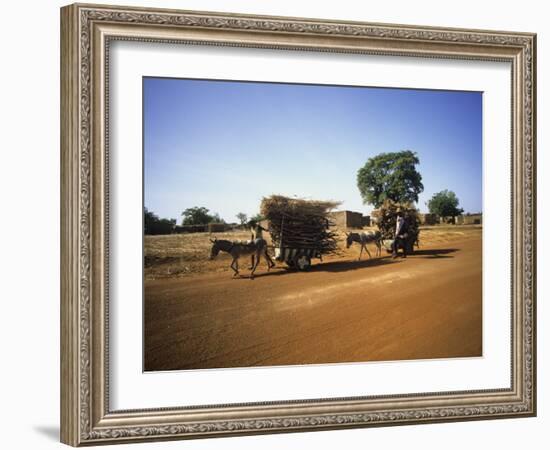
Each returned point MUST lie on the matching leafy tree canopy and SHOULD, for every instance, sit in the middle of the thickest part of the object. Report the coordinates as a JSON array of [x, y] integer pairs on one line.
[[390, 176], [199, 215], [444, 204]]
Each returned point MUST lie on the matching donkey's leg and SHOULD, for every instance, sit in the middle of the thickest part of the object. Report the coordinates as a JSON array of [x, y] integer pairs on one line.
[[361, 252], [251, 261], [378, 248], [367, 249], [235, 266]]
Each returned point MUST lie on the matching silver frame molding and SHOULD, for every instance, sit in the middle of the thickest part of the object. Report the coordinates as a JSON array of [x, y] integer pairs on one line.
[[86, 32]]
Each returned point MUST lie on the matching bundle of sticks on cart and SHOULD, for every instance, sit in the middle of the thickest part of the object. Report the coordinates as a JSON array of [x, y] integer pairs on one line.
[[386, 218], [299, 225]]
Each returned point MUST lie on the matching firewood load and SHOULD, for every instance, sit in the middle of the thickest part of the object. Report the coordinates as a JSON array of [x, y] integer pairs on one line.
[[386, 218], [299, 223]]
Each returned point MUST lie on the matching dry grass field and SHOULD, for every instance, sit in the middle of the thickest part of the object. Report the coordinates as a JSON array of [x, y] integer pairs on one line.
[[197, 316], [179, 255]]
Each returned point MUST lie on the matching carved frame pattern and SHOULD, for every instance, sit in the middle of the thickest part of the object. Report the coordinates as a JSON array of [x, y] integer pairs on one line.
[[95, 424]]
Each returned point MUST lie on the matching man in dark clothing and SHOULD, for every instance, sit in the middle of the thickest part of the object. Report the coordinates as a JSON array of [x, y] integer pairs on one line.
[[401, 234]]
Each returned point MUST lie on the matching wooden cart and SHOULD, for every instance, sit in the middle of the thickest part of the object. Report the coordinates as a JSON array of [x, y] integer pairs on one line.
[[296, 257]]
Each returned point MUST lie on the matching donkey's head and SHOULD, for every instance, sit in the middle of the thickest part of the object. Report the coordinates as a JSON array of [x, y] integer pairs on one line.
[[215, 248], [349, 239]]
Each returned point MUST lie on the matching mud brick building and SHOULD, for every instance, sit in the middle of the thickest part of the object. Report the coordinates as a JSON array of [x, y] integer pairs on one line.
[[349, 219]]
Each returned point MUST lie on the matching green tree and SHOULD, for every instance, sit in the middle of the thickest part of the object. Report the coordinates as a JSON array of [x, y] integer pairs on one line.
[[242, 217], [199, 215], [152, 224], [444, 204], [390, 176]]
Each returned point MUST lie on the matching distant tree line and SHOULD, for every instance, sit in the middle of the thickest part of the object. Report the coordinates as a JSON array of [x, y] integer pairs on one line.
[[199, 215], [195, 217], [155, 225], [244, 220]]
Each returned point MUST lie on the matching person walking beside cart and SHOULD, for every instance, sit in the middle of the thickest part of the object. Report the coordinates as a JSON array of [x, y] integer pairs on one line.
[[256, 231], [256, 237], [401, 233]]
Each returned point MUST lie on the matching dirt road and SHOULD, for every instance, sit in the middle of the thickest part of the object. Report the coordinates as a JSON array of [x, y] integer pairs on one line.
[[426, 306]]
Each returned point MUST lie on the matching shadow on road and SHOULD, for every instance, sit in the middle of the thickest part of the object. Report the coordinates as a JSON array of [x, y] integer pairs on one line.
[[331, 266], [347, 265], [343, 266], [435, 253]]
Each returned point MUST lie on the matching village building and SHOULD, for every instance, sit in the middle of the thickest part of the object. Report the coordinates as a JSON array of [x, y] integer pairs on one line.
[[469, 219], [428, 219], [350, 219]]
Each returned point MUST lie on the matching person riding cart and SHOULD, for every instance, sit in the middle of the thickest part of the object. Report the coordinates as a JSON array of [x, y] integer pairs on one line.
[[401, 235]]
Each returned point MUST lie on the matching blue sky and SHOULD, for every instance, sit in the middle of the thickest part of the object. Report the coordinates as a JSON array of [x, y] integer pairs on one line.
[[225, 145]]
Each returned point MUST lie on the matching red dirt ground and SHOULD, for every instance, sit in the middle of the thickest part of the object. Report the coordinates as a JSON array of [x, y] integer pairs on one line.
[[426, 306]]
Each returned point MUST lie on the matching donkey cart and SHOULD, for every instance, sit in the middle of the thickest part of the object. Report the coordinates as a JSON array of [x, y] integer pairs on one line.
[[408, 242], [297, 258], [299, 229], [296, 244]]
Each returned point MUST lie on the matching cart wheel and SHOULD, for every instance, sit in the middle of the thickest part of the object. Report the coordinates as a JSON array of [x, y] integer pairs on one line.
[[303, 262]]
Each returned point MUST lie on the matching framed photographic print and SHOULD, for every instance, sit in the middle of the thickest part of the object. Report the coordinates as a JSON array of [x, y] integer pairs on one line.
[[275, 224]]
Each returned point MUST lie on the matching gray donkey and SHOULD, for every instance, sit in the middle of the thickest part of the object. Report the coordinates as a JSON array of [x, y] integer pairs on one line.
[[363, 239], [256, 248]]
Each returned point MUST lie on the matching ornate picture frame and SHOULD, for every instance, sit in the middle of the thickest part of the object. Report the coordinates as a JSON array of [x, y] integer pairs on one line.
[[86, 34]]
